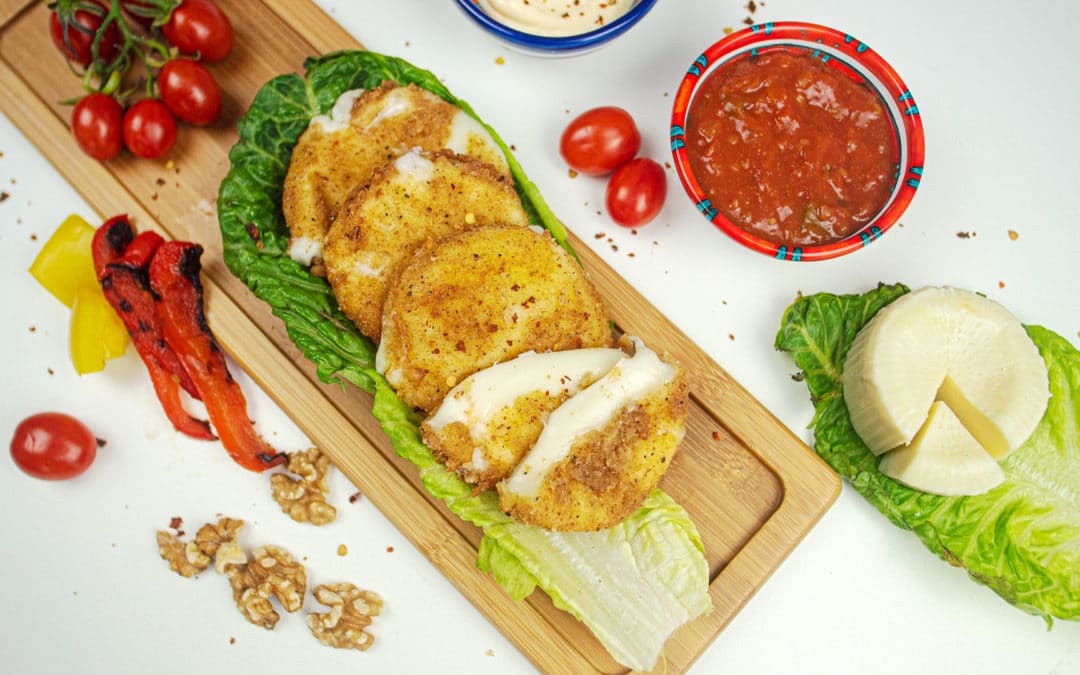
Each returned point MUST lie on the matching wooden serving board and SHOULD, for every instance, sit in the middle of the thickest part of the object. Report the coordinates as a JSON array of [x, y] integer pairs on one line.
[[752, 487]]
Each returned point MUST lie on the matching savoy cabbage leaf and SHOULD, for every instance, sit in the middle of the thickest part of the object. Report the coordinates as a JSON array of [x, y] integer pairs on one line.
[[1021, 539]]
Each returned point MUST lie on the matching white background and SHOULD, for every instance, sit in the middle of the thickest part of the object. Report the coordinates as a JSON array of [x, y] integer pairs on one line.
[[999, 88]]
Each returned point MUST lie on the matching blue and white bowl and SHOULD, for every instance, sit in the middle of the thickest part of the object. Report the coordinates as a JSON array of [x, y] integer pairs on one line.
[[538, 45]]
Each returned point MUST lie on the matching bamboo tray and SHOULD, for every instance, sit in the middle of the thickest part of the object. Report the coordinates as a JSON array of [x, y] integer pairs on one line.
[[751, 486]]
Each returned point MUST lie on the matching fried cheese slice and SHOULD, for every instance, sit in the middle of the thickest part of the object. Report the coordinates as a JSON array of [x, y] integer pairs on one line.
[[480, 297], [604, 450], [363, 131], [418, 197], [487, 423]]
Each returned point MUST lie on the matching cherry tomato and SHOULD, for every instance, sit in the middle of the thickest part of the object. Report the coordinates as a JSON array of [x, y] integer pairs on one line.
[[199, 28], [149, 129], [636, 192], [78, 43], [96, 124], [53, 446], [190, 91], [600, 140]]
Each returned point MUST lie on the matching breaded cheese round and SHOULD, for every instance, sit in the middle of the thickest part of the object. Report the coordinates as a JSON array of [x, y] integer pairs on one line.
[[600, 463], [419, 196], [479, 297], [366, 129], [488, 421]]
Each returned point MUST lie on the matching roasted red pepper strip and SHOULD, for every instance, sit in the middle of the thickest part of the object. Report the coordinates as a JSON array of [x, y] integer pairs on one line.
[[121, 262], [174, 277], [115, 244]]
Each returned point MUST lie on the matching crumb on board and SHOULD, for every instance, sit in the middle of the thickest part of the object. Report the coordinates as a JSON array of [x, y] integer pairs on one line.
[[1014, 235]]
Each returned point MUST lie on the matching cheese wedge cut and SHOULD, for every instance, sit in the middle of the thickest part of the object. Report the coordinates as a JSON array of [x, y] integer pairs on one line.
[[952, 345], [943, 458]]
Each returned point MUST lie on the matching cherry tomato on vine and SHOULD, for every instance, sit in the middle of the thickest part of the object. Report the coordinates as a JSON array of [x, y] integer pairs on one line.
[[149, 129], [199, 28], [75, 38], [600, 140], [53, 446], [636, 192], [96, 123], [190, 91]]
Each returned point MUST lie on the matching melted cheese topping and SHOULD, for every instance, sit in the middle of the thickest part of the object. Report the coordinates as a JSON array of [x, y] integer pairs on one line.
[[468, 137], [340, 115], [478, 397], [304, 250], [415, 166]]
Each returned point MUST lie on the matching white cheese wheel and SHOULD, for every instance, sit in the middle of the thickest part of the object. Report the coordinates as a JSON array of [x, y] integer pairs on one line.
[[950, 345]]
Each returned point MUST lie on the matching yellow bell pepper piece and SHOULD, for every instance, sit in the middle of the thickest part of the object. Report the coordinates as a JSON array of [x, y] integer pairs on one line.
[[65, 263], [65, 267], [97, 333]]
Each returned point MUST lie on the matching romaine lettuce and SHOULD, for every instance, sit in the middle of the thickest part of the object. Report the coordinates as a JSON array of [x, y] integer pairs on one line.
[[633, 584], [1022, 539]]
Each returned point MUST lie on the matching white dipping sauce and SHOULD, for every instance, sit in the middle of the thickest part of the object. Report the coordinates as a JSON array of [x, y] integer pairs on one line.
[[555, 18]]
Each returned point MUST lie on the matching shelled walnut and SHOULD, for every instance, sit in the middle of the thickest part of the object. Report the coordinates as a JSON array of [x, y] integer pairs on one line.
[[184, 558], [212, 535], [271, 572], [189, 558], [304, 498], [351, 611]]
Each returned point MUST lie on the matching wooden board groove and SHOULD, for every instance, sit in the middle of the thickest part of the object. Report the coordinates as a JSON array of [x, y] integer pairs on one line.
[[751, 486]]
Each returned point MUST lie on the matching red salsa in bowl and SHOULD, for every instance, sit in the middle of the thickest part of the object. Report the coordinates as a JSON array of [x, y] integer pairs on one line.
[[797, 140]]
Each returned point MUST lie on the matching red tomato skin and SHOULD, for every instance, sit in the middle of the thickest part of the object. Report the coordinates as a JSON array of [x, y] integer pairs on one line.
[[149, 129], [78, 51], [53, 446], [600, 140], [96, 123], [636, 192], [200, 28], [190, 91]]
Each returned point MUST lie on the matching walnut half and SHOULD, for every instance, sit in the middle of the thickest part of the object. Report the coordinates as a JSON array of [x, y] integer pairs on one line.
[[184, 558], [211, 536], [271, 572], [351, 611], [304, 498]]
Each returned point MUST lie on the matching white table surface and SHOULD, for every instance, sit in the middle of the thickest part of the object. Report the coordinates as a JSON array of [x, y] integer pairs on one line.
[[998, 86]]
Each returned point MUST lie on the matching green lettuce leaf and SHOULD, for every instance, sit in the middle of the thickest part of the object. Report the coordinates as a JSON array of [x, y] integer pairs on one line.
[[1021, 539], [633, 584]]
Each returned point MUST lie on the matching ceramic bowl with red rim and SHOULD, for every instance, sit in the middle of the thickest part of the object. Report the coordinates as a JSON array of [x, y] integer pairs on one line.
[[797, 140]]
